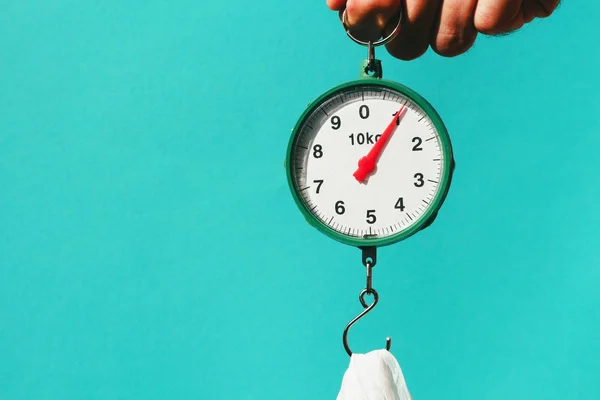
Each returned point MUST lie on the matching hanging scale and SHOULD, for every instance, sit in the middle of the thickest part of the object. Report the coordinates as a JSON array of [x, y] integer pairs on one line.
[[369, 163]]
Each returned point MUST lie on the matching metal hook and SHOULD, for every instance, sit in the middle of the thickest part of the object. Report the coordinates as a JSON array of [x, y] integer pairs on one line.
[[361, 297]]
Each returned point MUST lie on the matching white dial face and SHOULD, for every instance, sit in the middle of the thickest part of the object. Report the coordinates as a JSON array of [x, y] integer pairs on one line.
[[409, 162]]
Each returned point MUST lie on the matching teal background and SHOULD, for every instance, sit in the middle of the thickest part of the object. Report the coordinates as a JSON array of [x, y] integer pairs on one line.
[[150, 249]]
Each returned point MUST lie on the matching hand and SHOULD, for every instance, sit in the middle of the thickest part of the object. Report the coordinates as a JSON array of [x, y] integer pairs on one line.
[[450, 27]]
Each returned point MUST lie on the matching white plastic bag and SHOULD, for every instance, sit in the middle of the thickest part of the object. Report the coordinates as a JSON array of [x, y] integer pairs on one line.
[[373, 376]]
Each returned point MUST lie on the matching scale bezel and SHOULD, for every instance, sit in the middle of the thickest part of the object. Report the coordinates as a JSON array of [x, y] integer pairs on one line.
[[445, 180]]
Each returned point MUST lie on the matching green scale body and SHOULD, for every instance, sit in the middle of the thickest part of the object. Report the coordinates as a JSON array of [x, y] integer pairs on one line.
[[413, 168]]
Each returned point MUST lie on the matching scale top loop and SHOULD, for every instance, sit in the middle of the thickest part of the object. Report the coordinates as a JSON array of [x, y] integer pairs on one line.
[[380, 42]]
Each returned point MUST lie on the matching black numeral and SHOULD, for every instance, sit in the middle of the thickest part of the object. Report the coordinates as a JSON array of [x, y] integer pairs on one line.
[[339, 207], [319, 182], [400, 204], [371, 218], [336, 122], [363, 111], [418, 142], [397, 119], [317, 151], [419, 177]]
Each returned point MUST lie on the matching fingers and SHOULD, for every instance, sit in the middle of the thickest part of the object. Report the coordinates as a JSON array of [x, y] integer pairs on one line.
[[493, 17], [450, 27], [549, 7], [538, 9], [454, 32], [413, 40], [336, 5]]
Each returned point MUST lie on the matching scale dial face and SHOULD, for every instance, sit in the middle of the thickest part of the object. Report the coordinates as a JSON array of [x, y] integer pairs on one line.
[[413, 163]]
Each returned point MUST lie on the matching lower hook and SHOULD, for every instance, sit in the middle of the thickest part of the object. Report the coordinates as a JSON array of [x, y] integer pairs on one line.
[[388, 342]]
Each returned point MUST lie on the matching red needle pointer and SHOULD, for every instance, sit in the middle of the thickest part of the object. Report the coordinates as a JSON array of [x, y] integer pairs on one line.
[[367, 164]]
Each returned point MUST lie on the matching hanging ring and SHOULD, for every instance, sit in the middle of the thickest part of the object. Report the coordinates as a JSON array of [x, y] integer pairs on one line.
[[380, 42]]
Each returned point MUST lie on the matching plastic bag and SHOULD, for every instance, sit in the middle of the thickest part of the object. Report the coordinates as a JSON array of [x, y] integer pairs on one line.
[[373, 376]]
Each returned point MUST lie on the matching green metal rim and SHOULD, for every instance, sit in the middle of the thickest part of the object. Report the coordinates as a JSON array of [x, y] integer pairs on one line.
[[427, 218]]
